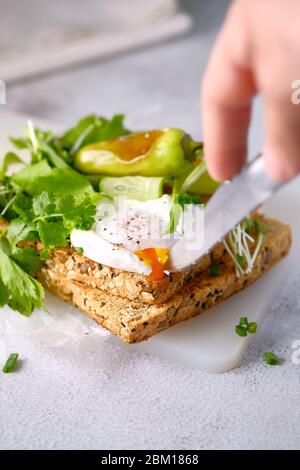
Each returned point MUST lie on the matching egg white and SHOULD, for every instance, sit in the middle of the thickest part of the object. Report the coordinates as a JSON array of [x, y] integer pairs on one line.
[[123, 227]]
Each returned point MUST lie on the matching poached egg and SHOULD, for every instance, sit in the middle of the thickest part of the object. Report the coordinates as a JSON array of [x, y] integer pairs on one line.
[[126, 228]]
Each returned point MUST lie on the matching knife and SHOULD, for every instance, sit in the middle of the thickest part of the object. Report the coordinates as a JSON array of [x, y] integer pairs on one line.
[[230, 204]]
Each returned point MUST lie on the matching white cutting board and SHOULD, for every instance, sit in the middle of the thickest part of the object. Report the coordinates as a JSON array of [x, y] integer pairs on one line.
[[209, 341]]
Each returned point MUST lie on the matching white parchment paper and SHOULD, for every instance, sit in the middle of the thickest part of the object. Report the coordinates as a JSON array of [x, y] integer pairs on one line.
[[61, 326]]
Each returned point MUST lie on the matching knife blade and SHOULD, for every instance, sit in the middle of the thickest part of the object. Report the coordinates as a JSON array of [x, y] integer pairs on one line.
[[230, 204]]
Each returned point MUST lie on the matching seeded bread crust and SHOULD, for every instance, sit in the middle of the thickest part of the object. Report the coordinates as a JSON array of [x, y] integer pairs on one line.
[[136, 321], [67, 263]]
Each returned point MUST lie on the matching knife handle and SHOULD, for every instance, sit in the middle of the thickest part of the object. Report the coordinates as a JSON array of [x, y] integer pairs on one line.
[[256, 173]]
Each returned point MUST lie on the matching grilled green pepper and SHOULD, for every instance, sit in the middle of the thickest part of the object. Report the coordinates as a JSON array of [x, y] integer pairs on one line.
[[199, 181], [167, 152]]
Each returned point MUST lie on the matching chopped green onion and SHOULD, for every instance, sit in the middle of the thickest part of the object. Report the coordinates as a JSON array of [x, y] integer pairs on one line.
[[78, 249], [241, 330], [244, 327], [244, 321], [271, 359], [11, 363], [214, 270], [252, 327], [141, 188]]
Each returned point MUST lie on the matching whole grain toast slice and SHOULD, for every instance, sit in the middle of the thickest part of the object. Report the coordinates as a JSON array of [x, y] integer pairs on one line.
[[67, 263], [136, 320]]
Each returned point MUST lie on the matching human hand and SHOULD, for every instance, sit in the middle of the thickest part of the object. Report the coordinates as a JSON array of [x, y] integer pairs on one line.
[[257, 51]]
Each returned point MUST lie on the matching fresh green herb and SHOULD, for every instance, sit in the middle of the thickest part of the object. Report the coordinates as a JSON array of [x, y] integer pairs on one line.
[[23, 293], [240, 330], [244, 327], [79, 249], [241, 261], [11, 363], [242, 248], [43, 202], [52, 155], [19, 143], [214, 269], [9, 159], [42, 145], [28, 258], [183, 199], [93, 129], [254, 225], [52, 233], [46, 218], [29, 173], [56, 216], [252, 327], [179, 201], [271, 359], [175, 213], [18, 231], [41, 177]]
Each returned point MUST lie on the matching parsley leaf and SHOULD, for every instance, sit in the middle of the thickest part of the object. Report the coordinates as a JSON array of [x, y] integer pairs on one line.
[[9, 159], [53, 234], [18, 231], [80, 215], [29, 173], [43, 205], [61, 181], [3, 294], [24, 292], [22, 207], [20, 143], [92, 129], [28, 258], [57, 216]]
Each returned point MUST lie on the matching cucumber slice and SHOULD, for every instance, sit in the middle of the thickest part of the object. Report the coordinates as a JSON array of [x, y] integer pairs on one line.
[[141, 188]]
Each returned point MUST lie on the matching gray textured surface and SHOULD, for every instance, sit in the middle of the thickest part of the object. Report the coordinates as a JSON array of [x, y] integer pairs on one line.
[[121, 400]]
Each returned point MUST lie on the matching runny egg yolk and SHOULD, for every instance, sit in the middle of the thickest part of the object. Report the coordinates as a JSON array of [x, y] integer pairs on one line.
[[157, 259]]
